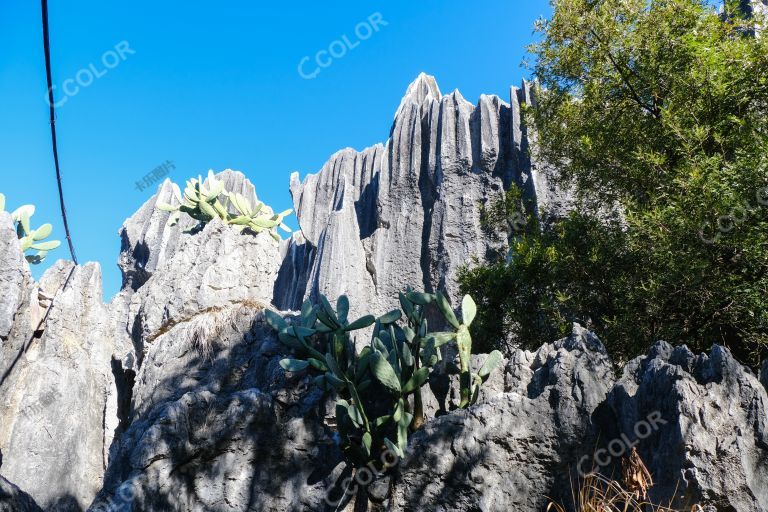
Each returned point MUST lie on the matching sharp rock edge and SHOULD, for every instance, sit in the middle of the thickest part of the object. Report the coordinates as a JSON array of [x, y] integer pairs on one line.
[[171, 397]]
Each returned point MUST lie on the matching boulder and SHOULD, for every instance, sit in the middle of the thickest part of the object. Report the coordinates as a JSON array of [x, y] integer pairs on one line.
[[513, 450], [14, 275], [709, 444], [216, 267], [407, 212], [19, 310], [59, 398], [218, 425]]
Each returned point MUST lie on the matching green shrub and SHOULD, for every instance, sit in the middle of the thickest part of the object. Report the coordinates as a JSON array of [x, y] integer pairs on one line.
[[661, 109]]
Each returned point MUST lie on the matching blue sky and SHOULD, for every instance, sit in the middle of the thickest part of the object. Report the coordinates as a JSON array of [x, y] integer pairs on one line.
[[217, 85]]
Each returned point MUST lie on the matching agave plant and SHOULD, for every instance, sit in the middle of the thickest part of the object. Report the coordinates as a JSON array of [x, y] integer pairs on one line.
[[31, 239], [202, 204], [379, 389]]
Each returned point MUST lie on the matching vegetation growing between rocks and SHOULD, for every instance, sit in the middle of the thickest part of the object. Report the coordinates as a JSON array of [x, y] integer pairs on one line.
[[374, 388], [659, 108], [31, 239], [202, 204], [597, 493]]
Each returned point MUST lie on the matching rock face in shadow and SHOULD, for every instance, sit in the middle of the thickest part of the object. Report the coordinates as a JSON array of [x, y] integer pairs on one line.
[[407, 212], [13, 499], [712, 436], [764, 374], [220, 427], [514, 449]]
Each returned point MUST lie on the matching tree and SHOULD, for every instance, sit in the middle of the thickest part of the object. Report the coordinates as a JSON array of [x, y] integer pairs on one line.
[[659, 108]]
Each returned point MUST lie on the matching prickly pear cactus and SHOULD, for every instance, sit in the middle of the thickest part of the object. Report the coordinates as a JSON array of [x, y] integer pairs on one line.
[[31, 239], [374, 411], [469, 381], [250, 217], [203, 204]]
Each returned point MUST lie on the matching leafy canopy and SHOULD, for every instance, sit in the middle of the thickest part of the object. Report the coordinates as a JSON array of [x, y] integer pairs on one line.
[[659, 108]]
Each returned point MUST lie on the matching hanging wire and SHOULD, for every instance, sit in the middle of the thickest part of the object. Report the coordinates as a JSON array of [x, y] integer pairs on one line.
[[47, 48], [37, 333]]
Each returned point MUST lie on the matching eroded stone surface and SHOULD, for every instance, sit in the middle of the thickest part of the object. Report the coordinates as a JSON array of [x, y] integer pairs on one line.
[[13, 499], [217, 425], [56, 399], [712, 437], [171, 397], [514, 449], [407, 212]]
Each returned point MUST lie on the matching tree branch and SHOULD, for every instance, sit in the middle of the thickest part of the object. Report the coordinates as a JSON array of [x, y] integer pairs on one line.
[[654, 110]]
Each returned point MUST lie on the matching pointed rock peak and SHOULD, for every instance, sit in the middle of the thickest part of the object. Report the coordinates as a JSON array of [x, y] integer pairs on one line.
[[457, 99], [456, 95], [421, 90]]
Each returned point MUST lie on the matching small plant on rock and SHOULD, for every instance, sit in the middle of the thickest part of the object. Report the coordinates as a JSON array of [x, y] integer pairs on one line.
[[378, 390], [596, 493], [31, 239], [203, 204]]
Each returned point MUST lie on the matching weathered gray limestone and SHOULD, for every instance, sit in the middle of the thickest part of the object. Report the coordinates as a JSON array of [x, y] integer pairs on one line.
[[407, 212], [172, 398]]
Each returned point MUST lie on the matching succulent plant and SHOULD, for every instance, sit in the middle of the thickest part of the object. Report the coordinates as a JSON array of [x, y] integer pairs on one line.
[[469, 382], [251, 217], [199, 202], [374, 412], [202, 204], [31, 239]]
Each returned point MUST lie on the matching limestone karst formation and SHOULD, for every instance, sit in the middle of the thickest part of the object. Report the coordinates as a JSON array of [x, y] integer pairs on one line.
[[170, 397]]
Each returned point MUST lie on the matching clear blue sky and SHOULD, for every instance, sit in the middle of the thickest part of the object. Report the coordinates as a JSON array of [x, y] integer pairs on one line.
[[216, 85]]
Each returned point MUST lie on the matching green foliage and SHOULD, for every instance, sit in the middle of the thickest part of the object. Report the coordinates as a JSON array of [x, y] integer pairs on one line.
[[203, 204], [570, 272], [378, 390], [661, 109], [31, 239], [508, 215]]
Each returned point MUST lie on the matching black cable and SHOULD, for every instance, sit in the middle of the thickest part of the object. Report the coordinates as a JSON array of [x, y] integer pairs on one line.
[[38, 330], [47, 48]]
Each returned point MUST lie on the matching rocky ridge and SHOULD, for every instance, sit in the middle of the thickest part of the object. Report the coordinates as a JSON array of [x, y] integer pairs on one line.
[[171, 396], [407, 212]]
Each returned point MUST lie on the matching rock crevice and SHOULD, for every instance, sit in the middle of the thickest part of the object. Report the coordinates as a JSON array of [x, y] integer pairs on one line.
[[171, 397]]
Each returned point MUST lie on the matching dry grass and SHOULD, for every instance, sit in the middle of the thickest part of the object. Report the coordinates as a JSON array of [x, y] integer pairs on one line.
[[201, 330], [597, 493]]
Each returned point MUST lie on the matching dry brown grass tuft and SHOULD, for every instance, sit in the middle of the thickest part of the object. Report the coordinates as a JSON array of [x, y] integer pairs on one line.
[[201, 330], [597, 493]]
